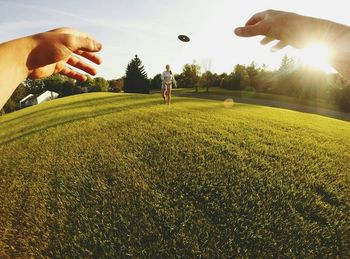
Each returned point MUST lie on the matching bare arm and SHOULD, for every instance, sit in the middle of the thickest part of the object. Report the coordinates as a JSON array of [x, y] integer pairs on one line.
[[43, 54], [300, 31], [174, 81]]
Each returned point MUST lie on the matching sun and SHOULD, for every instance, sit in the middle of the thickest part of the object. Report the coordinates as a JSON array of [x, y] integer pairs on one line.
[[316, 56]]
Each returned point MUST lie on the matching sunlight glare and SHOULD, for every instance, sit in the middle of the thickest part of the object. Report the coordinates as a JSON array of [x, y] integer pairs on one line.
[[228, 103], [316, 56]]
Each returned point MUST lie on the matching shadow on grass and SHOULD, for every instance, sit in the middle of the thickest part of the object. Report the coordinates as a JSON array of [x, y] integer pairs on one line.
[[274, 104], [64, 106], [47, 124]]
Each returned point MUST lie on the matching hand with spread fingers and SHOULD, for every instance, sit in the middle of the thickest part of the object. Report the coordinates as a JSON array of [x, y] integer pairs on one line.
[[288, 28], [61, 47], [301, 31], [41, 55]]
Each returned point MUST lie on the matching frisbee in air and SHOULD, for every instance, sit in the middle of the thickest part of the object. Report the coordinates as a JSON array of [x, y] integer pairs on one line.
[[184, 38]]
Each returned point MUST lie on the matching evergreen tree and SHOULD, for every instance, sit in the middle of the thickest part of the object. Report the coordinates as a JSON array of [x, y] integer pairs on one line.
[[287, 64], [136, 80]]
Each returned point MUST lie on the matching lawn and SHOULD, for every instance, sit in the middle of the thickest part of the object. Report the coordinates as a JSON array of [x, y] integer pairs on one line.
[[262, 96], [117, 175]]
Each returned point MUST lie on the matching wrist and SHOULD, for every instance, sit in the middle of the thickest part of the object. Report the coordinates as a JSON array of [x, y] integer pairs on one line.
[[14, 58], [328, 32], [30, 44], [18, 51]]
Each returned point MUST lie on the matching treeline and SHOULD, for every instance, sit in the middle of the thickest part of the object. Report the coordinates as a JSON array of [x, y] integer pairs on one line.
[[62, 85], [134, 81], [291, 79]]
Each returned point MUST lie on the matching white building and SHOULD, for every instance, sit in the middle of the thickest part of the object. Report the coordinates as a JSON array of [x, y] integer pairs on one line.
[[31, 99]]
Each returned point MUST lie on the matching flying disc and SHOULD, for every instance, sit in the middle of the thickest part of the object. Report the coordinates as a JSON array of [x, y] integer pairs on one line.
[[184, 38]]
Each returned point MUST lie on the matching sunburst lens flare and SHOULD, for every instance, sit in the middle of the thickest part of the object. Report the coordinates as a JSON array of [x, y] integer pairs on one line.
[[316, 56], [228, 103]]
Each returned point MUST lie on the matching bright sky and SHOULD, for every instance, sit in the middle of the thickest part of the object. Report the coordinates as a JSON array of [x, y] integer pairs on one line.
[[150, 28]]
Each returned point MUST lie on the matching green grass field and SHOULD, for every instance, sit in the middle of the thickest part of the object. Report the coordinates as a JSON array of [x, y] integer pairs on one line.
[[261, 96], [115, 175]]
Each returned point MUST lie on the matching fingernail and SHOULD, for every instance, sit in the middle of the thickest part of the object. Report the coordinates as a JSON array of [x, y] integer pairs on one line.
[[97, 45], [238, 31]]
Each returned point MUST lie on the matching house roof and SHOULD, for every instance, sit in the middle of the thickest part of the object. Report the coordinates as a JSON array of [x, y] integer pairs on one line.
[[46, 95], [26, 98]]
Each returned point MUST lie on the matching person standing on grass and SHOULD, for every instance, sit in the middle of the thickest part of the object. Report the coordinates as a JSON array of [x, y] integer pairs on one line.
[[168, 80]]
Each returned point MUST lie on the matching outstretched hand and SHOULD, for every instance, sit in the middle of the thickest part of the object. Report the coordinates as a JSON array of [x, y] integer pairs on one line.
[[43, 54], [288, 28], [300, 32], [54, 50]]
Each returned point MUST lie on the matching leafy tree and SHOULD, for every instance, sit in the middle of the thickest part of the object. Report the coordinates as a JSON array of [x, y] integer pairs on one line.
[[76, 89], [100, 85], [223, 78], [66, 89], [242, 77], [190, 76], [252, 70], [210, 79], [136, 80], [34, 87], [264, 81], [19, 93], [86, 85], [55, 83], [342, 97], [61, 84], [12, 104], [238, 79], [116, 85]]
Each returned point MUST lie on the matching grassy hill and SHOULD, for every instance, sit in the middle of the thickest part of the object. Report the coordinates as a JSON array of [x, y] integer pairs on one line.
[[261, 96], [122, 175]]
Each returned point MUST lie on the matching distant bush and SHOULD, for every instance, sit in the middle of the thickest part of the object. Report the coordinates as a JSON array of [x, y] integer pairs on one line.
[[100, 85], [116, 85]]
